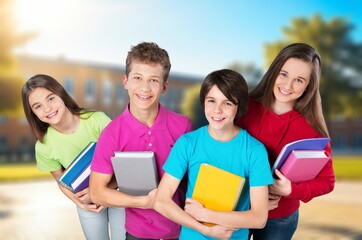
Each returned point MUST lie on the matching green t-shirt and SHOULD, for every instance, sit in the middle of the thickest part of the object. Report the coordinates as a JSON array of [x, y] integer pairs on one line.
[[58, 149]]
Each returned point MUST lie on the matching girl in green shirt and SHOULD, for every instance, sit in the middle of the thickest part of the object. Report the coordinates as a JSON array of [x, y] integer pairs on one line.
[[63, 129]]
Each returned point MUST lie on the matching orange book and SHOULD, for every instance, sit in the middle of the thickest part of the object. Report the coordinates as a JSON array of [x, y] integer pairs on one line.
[[217, 189], [304, 165]]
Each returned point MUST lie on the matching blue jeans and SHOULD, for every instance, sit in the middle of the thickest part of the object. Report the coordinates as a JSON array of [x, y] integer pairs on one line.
[[95, 225], [277, 228], [131, 237]]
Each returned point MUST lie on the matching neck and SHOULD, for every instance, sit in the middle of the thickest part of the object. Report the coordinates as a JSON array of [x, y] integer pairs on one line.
[[224, 135], [68, 124], [145, 116], [281, 108]]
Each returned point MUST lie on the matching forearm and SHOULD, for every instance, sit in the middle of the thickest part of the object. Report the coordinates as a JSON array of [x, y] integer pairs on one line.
[[322, 184], [236, 219], [69, 195], [102, 193], [255, 217], [169, 209], [111, 197]]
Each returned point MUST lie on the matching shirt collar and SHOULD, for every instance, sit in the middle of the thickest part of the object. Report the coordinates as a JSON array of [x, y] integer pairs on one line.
[[139, 129]]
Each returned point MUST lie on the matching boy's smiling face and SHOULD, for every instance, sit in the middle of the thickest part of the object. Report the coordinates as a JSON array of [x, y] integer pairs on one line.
[[219, 111], [145, 85]]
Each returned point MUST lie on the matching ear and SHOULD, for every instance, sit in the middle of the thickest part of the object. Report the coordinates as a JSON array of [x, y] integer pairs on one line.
[[164, 87], [125, 82]]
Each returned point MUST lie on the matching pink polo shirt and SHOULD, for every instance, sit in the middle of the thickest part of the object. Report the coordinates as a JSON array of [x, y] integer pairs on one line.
[[126, 133]]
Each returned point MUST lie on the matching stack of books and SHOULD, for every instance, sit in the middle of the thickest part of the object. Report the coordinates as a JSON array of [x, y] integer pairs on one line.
[[302, 160], [76, 177]]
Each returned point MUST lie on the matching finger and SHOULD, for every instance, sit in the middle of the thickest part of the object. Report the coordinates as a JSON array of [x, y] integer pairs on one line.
[[279, 174], [81, 193]]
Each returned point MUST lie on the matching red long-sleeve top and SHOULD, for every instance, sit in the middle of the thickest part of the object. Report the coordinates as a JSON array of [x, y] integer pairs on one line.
[[275, 131]]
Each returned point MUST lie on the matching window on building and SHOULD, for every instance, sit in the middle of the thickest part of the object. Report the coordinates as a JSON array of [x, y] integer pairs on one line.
[[107, 92], [120, 93], [169, 99], [90, 91], [69, 86], [339, 141], [357, 140], [3, 120], [22, 121], [3, 143]]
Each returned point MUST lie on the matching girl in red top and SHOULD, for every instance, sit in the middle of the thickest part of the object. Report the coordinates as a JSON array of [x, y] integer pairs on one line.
[[286, 106]]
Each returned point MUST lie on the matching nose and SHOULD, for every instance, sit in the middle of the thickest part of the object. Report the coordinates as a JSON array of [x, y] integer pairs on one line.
[[145, 86], [48, 107], [217, 108], [288, 84]]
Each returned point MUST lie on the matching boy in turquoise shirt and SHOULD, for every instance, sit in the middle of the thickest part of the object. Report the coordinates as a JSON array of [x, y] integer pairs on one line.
[[223, 96]]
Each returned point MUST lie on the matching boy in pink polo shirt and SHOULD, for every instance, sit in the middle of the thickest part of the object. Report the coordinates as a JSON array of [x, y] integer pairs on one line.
[[145, 125]]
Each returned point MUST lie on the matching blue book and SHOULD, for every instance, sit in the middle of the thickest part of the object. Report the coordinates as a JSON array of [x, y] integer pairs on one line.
[[304, 144], [76, 177]]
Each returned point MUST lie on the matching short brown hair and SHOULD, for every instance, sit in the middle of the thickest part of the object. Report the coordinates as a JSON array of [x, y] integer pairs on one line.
[[149, 53], [232, 84]]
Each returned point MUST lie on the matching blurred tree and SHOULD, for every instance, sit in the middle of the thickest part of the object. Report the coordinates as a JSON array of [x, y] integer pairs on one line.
[[250, 72], [10, 77], [341, 86], [191, 107]]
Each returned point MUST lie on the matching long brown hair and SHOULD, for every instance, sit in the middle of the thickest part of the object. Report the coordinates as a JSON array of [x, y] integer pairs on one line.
[[309, 104], [38, 127]]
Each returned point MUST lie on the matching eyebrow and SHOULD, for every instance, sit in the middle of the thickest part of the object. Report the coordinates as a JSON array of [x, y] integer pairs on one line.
[[288, 73], [39, 103]]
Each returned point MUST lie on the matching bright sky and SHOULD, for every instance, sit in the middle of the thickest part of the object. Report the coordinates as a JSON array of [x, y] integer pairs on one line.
[[200, 36]]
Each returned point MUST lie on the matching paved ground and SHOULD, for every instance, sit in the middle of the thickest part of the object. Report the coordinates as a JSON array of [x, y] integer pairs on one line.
[[38, 211]]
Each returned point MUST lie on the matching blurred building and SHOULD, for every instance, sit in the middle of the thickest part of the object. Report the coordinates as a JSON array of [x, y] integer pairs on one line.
[[346, 135], [94, 86]]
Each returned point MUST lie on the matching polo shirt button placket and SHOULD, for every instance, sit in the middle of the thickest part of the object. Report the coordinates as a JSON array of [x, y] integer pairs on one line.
[[149, 144]]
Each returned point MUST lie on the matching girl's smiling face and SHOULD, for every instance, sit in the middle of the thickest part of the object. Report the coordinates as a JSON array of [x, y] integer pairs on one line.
[[46, 105], [292, 81]]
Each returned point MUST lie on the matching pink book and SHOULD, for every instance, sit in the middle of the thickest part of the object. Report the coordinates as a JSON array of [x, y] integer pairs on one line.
[[304, 165]]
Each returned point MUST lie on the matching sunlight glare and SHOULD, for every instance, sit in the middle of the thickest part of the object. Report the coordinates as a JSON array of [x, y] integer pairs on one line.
[[41, 15]]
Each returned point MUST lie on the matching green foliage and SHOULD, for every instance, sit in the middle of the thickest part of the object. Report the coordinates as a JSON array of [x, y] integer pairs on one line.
[[341, 60], [191, 107], [249, 71]]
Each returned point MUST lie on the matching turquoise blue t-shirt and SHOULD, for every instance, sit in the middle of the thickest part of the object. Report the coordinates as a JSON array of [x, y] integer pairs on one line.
[[243, 155]]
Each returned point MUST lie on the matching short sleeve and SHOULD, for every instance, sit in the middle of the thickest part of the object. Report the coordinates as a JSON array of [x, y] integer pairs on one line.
[[260, 173], [98, 121], [177, 162], [43, 160]]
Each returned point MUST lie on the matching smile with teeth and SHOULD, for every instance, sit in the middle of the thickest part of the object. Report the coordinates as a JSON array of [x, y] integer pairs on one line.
[[217, 119], [284, 92], [52, 114], [143, 97]]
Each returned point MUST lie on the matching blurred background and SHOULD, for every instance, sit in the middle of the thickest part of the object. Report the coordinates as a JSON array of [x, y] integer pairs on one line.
[[84, 43]]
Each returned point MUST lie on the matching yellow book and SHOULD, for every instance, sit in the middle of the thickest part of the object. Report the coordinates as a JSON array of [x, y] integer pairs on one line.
[[217, 189]]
